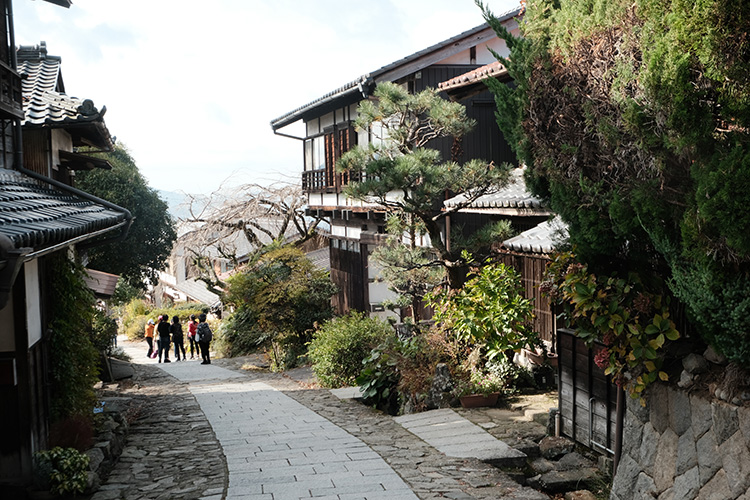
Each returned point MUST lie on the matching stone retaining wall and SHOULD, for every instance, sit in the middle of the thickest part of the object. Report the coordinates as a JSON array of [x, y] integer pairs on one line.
[[681, 446]]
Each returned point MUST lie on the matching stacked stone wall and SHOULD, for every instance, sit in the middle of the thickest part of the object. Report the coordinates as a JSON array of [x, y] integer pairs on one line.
[[682, 446]]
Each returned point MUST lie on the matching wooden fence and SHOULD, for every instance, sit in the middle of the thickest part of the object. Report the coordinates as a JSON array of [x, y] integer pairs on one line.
[[587, 397]]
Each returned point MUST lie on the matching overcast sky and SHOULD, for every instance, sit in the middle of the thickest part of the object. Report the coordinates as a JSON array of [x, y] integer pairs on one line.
[[191, 86]]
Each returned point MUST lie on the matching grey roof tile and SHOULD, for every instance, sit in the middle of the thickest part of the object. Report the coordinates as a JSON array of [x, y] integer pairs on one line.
[[544, 238], [45, 103], [513, 196], [35, 215], [492, 70]]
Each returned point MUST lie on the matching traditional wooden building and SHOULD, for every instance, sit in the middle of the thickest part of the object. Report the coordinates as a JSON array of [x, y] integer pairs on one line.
[[356, 227], [40, 215]]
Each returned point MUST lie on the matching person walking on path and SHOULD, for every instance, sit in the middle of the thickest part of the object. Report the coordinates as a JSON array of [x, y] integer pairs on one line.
[[204, 339], [177, 338], [163, 329], [150, 337], [192, 327]]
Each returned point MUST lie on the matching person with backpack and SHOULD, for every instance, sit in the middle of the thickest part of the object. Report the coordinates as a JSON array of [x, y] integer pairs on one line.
[[204, 339], [177, 338]]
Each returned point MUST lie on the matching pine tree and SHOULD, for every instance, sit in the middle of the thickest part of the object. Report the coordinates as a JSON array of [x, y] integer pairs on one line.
[[403, 176]]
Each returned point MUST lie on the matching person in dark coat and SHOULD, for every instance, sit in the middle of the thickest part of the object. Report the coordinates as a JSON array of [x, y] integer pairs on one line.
[[177, 338], [204, 339], [164, 330]]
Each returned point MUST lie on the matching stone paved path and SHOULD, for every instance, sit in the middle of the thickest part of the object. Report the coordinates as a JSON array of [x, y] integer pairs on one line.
[[206, 432]]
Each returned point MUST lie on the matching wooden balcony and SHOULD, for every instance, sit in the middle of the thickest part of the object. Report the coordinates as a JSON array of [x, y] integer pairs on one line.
[[324, 181], [314, 180], [11, 101]]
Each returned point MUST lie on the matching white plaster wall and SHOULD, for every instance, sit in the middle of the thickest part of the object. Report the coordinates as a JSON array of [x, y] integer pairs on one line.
[[60, 140], [326, 121], [379, 292], [33, 302]]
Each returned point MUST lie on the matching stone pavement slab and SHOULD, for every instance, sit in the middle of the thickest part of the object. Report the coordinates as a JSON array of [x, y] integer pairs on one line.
[[276, 446], [456, 436], [347, 393]]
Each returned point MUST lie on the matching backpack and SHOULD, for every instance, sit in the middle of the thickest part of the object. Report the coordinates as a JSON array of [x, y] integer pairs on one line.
[[204, 333]]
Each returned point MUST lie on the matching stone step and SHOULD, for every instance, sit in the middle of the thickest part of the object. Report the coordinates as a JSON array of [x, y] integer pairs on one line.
[[456, 436]]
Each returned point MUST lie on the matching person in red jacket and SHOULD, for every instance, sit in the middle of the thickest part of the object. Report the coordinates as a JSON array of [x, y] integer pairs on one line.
[[192, 327]]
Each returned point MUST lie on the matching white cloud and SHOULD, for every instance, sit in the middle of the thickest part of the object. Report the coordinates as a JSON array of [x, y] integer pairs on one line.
[[191, 86]]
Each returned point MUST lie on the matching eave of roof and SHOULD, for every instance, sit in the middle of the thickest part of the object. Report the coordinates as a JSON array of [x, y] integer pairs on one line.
[[77, 161], [37, 216], [365, 83], [101, 283], [542, 239], [47, 106], [512, 197], [61, 3], [492, 70]]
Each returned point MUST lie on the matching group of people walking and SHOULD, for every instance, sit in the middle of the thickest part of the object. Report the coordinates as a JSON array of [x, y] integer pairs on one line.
[[166, 333]]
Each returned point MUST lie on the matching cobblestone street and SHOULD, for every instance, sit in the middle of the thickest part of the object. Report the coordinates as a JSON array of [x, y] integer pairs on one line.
[[190, 438]]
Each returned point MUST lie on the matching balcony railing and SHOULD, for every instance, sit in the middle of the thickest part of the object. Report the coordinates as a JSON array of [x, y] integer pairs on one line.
[[11, 101], [322, 180], [314, 180]]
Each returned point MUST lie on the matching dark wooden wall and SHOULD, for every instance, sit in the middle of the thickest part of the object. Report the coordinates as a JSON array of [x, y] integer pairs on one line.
[[587, 397], [349, 274], [24, 412], [35, 151], [485, 141], [531, 267]]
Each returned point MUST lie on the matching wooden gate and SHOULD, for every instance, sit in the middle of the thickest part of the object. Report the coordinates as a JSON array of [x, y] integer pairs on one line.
[[587, 397]]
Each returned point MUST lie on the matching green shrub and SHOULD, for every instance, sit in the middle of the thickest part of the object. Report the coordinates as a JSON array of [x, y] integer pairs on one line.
[[340, 345], [380, 376], [277, 298], [62, 470], [74, 360], [490, 311]]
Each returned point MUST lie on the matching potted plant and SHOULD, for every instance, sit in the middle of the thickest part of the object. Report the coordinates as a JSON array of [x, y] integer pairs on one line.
[[481, 389]]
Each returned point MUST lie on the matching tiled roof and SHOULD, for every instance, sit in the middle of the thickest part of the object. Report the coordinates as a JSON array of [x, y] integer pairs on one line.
[[513, 196], [320, 258], [543, 238], [101, 283], [491, 70], [365, 83], [196, 290], [45, 103], [37, 216]]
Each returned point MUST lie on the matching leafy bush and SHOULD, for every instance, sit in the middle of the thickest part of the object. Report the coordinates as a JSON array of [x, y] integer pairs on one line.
[[63, 470], [103, 331], [490, 311], [74, 359], [627, 324], [632, 119], [278, 298], [380, 376], [340, 345]]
